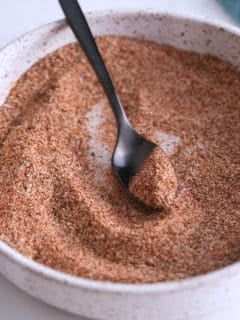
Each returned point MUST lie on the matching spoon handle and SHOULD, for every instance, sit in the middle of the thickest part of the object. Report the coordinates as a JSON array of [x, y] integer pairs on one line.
[[80, 27]]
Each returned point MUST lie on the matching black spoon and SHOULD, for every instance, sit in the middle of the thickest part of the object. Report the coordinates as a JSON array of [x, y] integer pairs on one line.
[[131, 148]]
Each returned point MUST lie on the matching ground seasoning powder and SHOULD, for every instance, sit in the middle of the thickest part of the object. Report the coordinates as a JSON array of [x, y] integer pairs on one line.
[[59, 201], [155, 184]]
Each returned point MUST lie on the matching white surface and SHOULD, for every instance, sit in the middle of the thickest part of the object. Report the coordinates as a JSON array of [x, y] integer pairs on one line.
[[17, 17]]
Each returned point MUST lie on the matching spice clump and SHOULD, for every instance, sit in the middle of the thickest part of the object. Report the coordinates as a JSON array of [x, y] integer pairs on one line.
[[156, 183]]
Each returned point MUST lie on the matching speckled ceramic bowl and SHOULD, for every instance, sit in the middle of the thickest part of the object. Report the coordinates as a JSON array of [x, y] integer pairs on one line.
[[214, 296]]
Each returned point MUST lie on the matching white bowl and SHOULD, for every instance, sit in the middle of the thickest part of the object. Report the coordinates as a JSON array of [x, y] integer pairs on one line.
[[214, 296]]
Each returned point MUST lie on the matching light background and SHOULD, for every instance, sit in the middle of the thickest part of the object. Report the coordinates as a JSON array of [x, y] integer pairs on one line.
[[19, 16]]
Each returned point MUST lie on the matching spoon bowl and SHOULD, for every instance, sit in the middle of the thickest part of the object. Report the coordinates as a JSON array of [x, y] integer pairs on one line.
[[130, 152]]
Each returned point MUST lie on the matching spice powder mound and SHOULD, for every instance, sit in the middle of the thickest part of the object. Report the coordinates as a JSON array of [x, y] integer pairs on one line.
[[155, 184], [60, 203]]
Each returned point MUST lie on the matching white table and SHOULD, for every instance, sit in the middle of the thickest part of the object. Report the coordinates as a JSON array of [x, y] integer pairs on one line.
[[19, 16]]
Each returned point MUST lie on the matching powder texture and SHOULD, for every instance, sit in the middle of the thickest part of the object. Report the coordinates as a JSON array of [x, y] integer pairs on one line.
[[60, 203], [155, 184]]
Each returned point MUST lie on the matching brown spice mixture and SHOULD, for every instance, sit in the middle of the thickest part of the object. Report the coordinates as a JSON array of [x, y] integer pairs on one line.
[[155, 184], [59, 201]]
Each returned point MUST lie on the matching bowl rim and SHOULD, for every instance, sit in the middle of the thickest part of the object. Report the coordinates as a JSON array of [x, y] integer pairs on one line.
[[58, 277]]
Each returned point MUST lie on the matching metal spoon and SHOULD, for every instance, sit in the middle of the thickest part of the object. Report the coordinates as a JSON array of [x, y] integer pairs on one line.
[[131, 148]]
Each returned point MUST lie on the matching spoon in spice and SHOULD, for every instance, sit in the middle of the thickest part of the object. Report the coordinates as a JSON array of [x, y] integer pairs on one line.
[[140, 165]]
